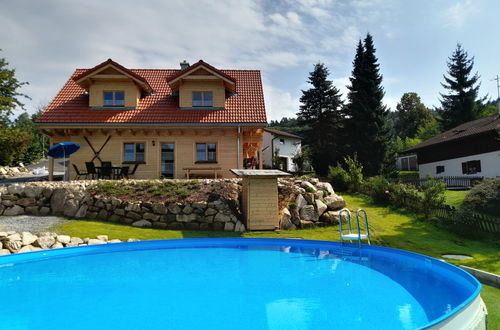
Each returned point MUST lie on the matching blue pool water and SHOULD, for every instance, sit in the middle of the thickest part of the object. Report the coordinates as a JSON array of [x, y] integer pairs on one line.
[[229, 284]]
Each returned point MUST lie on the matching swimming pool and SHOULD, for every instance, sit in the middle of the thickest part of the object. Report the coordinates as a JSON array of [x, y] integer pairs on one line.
[[230, 283]]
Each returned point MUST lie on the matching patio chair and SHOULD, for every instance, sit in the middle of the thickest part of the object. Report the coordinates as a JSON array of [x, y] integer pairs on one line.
[[106, 170], [123, 172], [133, 170], [91, 169], [79, 174]]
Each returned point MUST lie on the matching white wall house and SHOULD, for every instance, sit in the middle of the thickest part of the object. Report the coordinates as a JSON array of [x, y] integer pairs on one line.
[[470, 149], [286, 145]]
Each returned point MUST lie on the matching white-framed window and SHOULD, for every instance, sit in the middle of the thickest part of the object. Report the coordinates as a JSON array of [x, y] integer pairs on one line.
[[206, 152], [439, 169], [134, 152], [471, 167], [202, 99], [114, 98]]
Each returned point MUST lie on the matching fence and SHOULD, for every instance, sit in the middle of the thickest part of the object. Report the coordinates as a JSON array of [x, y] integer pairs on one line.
[[449, 181]]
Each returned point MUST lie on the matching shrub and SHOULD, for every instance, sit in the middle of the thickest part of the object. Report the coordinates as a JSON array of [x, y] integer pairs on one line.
[[338, 177], [402, 195], [433, 195], [292, 206], [309, 189], [484, 197], [355, 173], [378, 188]]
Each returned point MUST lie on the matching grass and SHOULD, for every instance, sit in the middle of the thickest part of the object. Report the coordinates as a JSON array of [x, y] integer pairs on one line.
[[389, 227], [455, 197]]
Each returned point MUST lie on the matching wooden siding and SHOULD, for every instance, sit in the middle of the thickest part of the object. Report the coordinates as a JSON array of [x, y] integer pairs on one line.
[[132, 92], [184, 141], [187, 88], [260, 203]]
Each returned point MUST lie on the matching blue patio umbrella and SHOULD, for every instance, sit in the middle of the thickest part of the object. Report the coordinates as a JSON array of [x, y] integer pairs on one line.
[[62, 150]]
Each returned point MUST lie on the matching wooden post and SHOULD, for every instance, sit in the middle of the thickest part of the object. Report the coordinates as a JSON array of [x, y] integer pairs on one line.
[[260, 156], [51, 169]]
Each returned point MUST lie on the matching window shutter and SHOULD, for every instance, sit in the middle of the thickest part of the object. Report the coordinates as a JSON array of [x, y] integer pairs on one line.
[[478, 166], [464, 168]]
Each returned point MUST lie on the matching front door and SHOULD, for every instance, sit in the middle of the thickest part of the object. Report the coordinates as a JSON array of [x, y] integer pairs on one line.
[[167, 160]]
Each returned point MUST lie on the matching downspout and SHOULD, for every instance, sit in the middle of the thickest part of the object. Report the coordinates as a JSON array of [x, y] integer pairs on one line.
[[272, 150], [238, 147]]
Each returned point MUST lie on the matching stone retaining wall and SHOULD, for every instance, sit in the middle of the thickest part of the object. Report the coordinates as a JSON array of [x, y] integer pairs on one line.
[[73, 199]]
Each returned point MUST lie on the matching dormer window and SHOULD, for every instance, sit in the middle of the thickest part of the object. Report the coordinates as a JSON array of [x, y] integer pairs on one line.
[[114, 99], [202, 99]]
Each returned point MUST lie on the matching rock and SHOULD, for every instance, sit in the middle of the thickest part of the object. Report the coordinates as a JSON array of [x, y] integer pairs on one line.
[[310, 198], [218, 226], [308, 186], [114, 218], [26, 201], [326, 186], [44, 210], [229, 226], [239, 227], [13, 246], [335, 202], [308, 213], [300, 201], [75, 241], [28, 238], [314, 181], [13, 237], [64, 239], [142, 224], [192, 226], [45, 242], [187, 209], [133, 240], [320, 207], [210, 211], [286, 220], [26, 248], [70, 208], [295, 216], [103, 214], [174, 208], [332, 217], [306, 224], [318, 194], [14, 210], [114, 241], [186, 217], [103, 238], [120, 212], [57, 245], [159, 208], [4, 252], [82, 211], [47, 192], [15, 189], [221, 217], [151, 216], [3, 234], [9, 197], [200, 205], [32, 210], [95, 241], [58, 200], [134, 207]]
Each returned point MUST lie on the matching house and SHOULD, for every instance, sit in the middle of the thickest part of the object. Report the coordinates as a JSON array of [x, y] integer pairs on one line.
[[282, 144], [470, 149], [196, 120]]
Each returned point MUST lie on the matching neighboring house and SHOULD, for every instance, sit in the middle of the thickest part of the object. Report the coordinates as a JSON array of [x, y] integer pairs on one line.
[[471, 149], [168, 121], [284, 144], [407, 162]]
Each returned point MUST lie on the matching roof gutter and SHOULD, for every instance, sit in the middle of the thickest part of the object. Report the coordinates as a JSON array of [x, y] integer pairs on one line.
[[151, 124]]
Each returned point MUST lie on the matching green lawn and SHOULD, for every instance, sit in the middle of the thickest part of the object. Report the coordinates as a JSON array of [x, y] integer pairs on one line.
[[394, 228], [455, 197]]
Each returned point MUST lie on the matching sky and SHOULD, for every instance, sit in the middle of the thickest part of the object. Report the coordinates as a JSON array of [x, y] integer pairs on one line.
[[45, 41]]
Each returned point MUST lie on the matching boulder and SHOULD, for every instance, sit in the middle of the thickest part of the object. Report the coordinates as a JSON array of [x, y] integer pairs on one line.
[[45, 242], [103, 237], [210, 211], [28, 238], [286, 220], [82, 211], [134, 207], [13, 237], [14, 210], [308, 186], [26, 201], [33, 210], [221, 217], [308, 213], [95, 241], [15, 189], [103, 214], [174, 208], [44, 210], [120, 212], [332, 217], [187, 209], [134, 215], [229, 226], [320, 207], [13, 246], [186, 217], [142, 224], [306, 224], [310, 198], [239, 227], [300, 201], [151, 216], [27, 248], [70, 208], [4, 252], [58, 200], [335, 202], [114, 241], [64, 239], [57, 245], [314, 181], [326, 186], [159, 208]]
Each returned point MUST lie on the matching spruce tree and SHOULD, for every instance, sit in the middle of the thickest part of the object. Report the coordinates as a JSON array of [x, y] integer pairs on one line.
[[366, 133], [460, 104], [321, 111]]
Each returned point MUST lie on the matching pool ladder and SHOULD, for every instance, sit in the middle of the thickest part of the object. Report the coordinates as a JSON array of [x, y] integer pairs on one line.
[[350, 235]]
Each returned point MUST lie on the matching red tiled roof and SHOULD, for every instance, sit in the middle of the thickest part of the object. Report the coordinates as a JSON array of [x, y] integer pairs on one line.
[[71, 104], [282, 133], [196, 65], [470, 128]]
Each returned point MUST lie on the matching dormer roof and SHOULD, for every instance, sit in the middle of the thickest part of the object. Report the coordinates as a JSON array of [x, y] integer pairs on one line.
[[202, 70], [84, 79]]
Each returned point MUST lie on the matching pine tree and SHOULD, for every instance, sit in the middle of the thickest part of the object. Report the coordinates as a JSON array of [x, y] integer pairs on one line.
[[321, 111], [460, 105], [366, 133], [411, 114]]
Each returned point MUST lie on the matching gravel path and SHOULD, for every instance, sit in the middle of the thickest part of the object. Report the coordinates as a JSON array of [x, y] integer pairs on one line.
[[33, 224]]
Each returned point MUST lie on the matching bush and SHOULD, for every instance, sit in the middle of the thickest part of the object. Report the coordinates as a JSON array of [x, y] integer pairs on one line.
[[13, 145], [338, 177], [433, 195], [355, 173], [378, 188], [484, 197], [402, 195]]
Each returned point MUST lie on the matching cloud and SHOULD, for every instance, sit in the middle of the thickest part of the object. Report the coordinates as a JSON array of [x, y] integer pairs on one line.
[[456, 15], [280, 103]]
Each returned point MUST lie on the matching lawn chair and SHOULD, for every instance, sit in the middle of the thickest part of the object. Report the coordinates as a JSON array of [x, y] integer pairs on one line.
[[123, 173], [106, 170], [133, 169], [350, 235], [79, 174], [91, 170]]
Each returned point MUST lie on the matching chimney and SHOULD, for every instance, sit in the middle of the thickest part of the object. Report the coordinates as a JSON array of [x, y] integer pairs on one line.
[[184, 65]]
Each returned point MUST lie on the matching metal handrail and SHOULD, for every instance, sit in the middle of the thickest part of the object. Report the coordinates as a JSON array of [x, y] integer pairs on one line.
[[366, 224], [358, 229]]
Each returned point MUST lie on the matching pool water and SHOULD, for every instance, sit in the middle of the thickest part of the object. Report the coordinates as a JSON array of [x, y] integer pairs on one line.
[[228, 284]]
